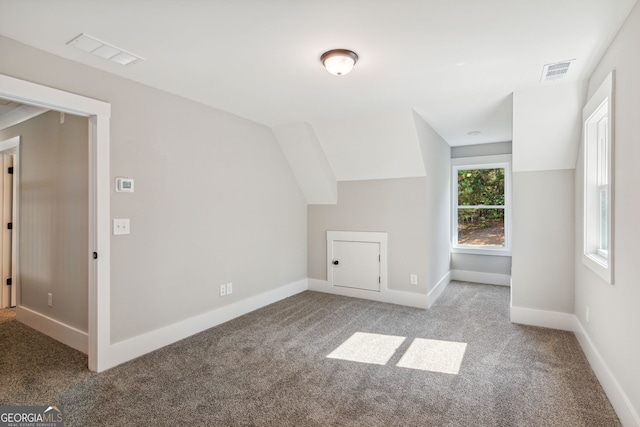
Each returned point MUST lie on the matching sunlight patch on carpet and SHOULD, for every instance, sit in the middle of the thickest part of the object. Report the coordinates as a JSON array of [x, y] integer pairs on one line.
[[434, 355], [368, 348]]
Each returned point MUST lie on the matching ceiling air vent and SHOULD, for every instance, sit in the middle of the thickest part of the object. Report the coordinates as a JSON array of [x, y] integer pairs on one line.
[[104, 50], [556, 71]]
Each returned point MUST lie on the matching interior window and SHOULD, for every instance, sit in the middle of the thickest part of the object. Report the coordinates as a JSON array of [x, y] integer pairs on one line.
[[481, 208], [598, 188], [481, 204]]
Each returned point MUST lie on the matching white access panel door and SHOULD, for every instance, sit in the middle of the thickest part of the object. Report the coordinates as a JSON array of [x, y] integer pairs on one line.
[[356, 265]]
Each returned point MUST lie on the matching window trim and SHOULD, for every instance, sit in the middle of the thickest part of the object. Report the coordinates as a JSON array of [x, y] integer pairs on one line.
[[598, 260], [481, 162]]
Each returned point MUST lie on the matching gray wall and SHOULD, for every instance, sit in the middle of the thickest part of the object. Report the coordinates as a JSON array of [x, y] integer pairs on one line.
[[475, 150], [614, 325], [396, 206], [53, 246], [415, 212], [435, 155], [215, 199], [481, 263], [543, 247]]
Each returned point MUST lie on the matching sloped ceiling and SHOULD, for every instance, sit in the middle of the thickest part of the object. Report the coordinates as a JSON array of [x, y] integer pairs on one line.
[[453, 62], [309, 165], [547, 127], [383, 146], [378, 146]]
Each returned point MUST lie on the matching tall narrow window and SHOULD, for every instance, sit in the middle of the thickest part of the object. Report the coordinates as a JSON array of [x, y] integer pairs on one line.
[[598, 188], [481, 205], [603, 187]]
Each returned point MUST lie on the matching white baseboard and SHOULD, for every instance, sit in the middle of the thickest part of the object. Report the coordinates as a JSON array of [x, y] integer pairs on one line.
[[543, 318], [549, 319], [57, 330], [390, 296], [480, 277], [435, 293], [131, 348], [629, 416]]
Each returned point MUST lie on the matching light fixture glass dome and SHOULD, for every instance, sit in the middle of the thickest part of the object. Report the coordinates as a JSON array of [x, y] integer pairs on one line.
[[339, 61]]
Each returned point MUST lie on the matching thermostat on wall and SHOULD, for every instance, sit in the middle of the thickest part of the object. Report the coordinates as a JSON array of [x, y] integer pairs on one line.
[[124, 185]]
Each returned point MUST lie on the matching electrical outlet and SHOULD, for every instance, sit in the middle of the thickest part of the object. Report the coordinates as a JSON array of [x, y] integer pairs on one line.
[[50, 299], [414, 279], [229, 288], [586, 314], [223, 290]]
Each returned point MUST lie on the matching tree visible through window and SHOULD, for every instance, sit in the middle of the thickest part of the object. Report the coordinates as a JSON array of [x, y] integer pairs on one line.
[[481, 207]]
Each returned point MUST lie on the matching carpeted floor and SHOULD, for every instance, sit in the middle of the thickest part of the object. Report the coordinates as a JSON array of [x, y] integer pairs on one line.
[[270, 368]]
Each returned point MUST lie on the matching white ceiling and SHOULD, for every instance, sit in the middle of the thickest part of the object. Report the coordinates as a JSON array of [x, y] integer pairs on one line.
[[455, 62]]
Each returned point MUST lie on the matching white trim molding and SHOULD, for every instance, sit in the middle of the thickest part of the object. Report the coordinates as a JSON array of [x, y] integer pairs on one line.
[[391, 296], [481, 277], [12, 146], [57, 330], [619, 400], [131, 348], [19, 115], [599, 154], [499, 161], [99, 283], [379, 237], [435, 293], [543, 318], [569, 322]]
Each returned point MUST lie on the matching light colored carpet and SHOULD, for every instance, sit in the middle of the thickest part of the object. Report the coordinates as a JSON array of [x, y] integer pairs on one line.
[[271, 368]]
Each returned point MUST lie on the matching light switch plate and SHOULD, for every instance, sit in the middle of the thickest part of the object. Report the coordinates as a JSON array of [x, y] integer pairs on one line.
[[121, 226]]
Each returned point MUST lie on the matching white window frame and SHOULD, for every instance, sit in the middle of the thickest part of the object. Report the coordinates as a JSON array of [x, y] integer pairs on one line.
[[598, 143], [483, 162]]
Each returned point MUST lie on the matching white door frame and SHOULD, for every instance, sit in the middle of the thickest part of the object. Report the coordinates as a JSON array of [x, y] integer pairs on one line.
[[99, 113], [12, 146], [359, 236]]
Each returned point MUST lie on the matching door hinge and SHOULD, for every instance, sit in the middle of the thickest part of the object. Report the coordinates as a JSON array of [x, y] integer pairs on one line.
[[95, 255], [9, 281], [10, 226], [379, 258], [379, 279], [10, 170]]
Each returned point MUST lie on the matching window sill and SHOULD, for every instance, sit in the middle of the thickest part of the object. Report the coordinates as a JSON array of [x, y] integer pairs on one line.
[[599, 265], [481, 250]]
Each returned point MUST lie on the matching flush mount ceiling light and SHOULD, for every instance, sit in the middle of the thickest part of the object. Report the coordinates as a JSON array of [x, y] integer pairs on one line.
[[339, 61], [104, 50], [474, 133]]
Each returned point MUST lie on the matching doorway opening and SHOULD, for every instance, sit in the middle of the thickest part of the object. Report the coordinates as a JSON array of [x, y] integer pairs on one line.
[[98, 255], [47, 283], [8, 194]]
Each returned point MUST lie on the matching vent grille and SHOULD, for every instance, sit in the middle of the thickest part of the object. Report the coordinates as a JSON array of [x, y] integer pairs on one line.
[[104, 50], [556, 71]]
